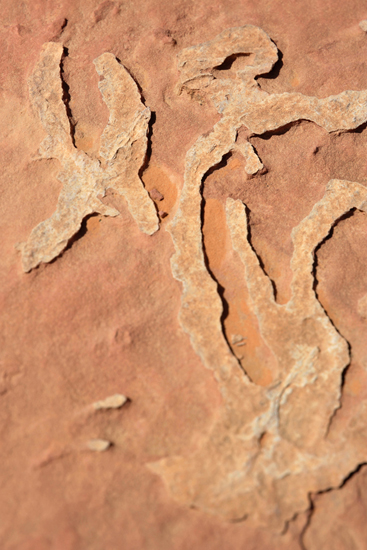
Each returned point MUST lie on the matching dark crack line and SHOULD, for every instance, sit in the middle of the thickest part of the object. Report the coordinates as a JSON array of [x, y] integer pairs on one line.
[[274, 71], [259, 259], [311, 511], [152, 121], [288, 522], [341, 218], [281, 130], [220, 288], [148, 155], [312, 496], [79, 233], [140, 89], [66, 96], [228, 62]]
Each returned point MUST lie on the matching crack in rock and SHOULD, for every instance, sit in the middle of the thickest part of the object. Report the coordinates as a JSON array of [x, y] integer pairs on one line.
[[269, 447], [122, 151], [307, 536]]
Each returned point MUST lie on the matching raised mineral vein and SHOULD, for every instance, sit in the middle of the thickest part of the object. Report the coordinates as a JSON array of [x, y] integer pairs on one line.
[[123, 149], [269, 447]]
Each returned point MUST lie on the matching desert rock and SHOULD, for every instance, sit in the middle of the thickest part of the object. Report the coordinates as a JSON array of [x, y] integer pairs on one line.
[[99, 312]]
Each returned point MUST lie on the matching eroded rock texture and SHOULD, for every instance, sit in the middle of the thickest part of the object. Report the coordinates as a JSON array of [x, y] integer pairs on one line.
[[340, 522], [99, 376], [85, 179], [269, 448]]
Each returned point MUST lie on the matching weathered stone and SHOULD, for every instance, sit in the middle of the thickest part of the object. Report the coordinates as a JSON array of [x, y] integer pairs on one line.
[[103, 317], [340, 519], [85, 179], [113, 402], [264, 453], [99, 445]]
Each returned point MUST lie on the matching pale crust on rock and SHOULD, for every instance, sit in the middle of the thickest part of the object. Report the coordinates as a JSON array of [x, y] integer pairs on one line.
[[123, 150], [268, 447], [98, 445], [112, 402]]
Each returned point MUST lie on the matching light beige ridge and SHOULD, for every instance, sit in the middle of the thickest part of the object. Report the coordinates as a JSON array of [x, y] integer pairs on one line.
[[122, 151]]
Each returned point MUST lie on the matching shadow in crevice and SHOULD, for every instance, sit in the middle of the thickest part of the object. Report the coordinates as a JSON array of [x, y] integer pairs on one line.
[[274, 73], [134, 79], [148, 153], [77, 236], [221, 164], [357, 130], [147, 158], [228, 62], [259, 259], [344, 216], [66, 95], [282, 129], [311, 498], [220, 288]]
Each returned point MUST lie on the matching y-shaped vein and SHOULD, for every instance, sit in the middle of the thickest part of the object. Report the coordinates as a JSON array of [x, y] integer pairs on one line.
[[123, 148]]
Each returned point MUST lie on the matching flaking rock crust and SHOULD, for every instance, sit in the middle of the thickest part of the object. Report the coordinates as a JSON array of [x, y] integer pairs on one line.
[[270, 447], [85, 180], [203, 385]]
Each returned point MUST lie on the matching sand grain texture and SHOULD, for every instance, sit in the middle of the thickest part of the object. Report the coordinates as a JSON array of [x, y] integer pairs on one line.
[[183, 359]]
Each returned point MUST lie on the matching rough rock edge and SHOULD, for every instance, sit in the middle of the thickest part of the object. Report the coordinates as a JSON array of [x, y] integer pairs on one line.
[[253, 462], [115, 401], [123, 147], [304, 535]]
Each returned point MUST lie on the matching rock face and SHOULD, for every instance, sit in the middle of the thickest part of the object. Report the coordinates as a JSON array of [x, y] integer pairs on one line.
[[340, 520], [122, 150], [183, 275], [270, 446]]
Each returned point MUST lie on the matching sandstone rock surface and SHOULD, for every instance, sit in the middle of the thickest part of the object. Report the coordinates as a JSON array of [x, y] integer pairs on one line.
[[245, 367], [123, 150], [265, 449]]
